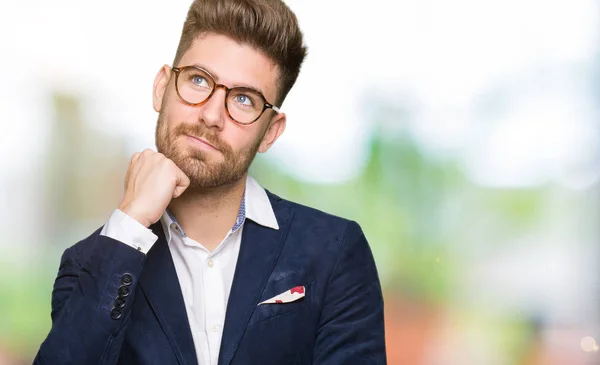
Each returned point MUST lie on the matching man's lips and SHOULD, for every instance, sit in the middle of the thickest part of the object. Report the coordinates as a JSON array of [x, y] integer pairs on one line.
[[200, 140]]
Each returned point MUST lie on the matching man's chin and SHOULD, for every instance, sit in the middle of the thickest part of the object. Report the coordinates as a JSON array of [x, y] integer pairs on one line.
[[203, 182], [202, 174], [210, 178]]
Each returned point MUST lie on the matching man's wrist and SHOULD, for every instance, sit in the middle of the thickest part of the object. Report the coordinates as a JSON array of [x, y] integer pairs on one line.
[[121, 227], [130, 209]]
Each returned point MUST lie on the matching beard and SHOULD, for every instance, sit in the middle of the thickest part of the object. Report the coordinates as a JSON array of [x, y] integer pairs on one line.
[[196, 164]]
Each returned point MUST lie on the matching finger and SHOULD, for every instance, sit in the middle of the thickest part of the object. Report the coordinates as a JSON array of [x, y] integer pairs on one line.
[[178, 191], [148, 152], [135, 157], [132, 161], [183, 182], [141, 161]]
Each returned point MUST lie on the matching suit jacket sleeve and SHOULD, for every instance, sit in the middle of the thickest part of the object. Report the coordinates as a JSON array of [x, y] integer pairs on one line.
[[351, 327], [87, 324]]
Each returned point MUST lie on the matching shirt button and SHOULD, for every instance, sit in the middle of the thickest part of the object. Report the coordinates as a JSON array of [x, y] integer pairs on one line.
[[210, 263], [214, 328]]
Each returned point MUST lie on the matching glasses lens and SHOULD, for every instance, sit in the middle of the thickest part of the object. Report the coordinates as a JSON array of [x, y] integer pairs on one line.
[[245, 105], [194, 85]]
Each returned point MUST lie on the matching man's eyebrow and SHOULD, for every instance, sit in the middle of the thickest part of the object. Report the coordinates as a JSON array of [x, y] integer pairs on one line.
[[216, 77]]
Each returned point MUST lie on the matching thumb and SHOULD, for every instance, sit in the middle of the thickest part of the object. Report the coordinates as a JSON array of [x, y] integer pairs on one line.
[[183, 182]]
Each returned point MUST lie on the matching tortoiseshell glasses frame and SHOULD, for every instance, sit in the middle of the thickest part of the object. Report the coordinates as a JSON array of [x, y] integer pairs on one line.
[[199, 94]]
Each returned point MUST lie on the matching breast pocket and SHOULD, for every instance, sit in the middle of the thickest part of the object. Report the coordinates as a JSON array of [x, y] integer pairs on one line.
[[270, 311]]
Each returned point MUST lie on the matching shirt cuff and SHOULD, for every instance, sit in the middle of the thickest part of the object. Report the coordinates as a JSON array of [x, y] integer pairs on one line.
[[123, 228]]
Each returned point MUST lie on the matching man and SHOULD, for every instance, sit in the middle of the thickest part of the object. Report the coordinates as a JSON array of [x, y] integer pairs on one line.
[[199, 264]]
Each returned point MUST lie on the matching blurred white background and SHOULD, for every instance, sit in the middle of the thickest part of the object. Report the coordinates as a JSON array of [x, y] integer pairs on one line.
[[506, 91]]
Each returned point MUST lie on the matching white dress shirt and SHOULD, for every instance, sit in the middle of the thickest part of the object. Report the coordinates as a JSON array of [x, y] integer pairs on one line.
[[205, 277]]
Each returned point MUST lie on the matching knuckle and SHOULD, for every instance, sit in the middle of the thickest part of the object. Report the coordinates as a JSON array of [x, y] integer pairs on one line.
[[173, 168], [170, 164]]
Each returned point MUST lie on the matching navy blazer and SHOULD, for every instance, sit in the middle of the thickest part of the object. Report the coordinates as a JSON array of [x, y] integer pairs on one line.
[[112, 304]]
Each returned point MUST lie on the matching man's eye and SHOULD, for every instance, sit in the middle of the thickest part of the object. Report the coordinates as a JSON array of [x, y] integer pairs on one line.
[[199, 80], [243, 99]]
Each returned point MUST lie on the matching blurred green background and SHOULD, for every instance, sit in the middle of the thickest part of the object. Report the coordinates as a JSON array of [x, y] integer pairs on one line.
[[462, 136]]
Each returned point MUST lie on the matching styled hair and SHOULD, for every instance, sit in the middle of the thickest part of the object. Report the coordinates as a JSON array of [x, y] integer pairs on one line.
[[269, 26]]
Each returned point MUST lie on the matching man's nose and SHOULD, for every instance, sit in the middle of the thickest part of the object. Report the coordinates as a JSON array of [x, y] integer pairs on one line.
[[213, 111]]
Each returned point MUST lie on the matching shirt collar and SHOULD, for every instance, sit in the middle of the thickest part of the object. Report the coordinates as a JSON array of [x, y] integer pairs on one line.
[[255, 205], [258, 206]]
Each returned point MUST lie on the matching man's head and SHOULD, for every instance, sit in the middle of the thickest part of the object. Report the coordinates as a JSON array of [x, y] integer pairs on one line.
[[240, 43]]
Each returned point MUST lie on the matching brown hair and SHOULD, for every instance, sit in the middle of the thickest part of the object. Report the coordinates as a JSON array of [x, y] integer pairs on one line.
[[269, 26]]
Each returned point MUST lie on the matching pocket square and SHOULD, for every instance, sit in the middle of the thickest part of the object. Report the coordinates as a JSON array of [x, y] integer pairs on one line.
[[287, 296]]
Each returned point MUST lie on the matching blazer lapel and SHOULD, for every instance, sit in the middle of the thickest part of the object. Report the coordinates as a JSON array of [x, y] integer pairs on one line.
[[259, 251], [160, 285]]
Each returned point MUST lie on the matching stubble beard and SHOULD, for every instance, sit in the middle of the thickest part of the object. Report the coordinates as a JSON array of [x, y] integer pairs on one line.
[[202, 170]]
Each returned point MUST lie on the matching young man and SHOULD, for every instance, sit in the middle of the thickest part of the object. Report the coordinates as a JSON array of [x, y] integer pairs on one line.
[[199, 264]]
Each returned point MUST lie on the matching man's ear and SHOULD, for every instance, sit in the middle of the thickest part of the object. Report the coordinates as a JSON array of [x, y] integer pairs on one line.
[[275, 129], [161, 81]]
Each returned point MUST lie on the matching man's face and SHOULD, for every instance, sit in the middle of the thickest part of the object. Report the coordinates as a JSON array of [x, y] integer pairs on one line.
[[203, 141]]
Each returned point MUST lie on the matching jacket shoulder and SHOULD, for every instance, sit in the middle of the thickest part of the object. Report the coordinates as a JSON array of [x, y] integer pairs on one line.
[[326, 224]]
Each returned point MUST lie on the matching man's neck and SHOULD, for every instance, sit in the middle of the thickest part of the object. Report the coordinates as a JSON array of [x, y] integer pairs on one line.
[[206, 216]]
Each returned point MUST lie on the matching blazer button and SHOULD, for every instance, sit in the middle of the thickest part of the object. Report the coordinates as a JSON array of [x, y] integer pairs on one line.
[[126, 279], [119, 302], [115, 313], [123, 291]]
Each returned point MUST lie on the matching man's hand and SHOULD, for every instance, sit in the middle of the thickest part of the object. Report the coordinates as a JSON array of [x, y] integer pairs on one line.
[[151, 182]]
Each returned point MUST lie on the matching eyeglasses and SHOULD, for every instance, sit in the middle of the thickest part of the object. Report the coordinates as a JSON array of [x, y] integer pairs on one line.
[[195, 86]]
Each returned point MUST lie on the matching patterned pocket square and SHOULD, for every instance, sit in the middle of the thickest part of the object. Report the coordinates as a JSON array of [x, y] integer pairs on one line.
[[287, 296]]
